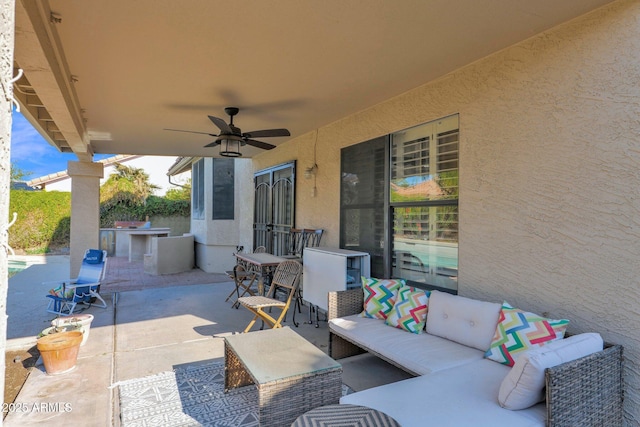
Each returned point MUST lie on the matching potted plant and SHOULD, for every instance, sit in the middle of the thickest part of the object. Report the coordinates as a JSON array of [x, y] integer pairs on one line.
[[56, 329], [79, 321], [59, 349]]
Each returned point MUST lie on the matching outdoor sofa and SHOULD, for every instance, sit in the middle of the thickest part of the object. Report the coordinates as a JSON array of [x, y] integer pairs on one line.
[[575, 381]]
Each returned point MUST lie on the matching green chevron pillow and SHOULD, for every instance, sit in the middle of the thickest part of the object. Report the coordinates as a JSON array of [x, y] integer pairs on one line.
[[519, 331], [410, 310], [379, 296]]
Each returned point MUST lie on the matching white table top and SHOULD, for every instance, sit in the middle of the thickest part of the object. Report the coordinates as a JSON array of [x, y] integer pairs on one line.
[[277, 354], [261, 259], [143, 231]]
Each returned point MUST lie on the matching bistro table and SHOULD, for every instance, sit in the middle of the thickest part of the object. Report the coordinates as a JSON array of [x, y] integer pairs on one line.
[[262, 263]]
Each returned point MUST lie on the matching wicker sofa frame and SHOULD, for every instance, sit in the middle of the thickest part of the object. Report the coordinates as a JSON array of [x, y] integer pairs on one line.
[[585, 392]]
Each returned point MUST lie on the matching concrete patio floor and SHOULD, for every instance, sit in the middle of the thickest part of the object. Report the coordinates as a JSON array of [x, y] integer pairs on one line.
[[152, 324]]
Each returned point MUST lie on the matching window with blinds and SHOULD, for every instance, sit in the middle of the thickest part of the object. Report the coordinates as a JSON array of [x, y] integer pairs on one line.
[[424, 203], [399, 202], [424, 162]]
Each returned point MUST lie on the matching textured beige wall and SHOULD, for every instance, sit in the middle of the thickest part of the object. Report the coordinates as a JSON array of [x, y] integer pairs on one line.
[[217, 239], [549, 174]]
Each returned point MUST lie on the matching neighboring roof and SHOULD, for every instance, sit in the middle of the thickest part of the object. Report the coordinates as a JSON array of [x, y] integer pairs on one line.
[[21, 185], [59, 176], [182, 164], [425, 188]]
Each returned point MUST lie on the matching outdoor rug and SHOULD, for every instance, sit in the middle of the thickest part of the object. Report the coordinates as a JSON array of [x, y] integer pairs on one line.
[[189, 396]]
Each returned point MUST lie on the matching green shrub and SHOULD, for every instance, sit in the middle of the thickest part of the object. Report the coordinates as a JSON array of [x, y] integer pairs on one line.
[[44, 220], [125, 210]]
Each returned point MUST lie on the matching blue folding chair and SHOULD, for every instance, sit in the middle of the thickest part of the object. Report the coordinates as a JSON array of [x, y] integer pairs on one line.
[[83, 289]]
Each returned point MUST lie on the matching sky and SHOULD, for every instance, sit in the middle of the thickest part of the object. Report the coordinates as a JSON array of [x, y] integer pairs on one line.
[[33, 155]]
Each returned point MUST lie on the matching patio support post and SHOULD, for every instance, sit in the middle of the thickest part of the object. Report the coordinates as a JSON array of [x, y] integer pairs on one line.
[[85, 210]]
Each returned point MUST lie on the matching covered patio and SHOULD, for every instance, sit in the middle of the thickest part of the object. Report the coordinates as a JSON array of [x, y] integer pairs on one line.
[[151, 326], [544, 94]]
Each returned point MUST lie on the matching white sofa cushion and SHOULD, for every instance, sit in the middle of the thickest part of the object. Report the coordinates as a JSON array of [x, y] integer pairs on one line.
[[523, 386], [419, 354], [463, 396], [463, 320]]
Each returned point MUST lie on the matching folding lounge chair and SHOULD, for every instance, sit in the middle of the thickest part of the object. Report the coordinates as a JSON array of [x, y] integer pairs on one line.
[[83, 289], [286, 278]]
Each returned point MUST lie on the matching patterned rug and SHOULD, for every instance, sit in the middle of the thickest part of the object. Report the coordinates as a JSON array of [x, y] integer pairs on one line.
[[189, 396]]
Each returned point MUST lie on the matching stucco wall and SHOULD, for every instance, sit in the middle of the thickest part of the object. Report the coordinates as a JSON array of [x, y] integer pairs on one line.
[[216, 240], [549, 174]]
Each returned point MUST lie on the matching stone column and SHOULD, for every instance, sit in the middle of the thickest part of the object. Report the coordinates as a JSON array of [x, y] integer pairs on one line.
[[85, 210]]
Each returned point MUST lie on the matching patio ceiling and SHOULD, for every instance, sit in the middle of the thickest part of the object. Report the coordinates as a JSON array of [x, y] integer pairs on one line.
[[107, 76]]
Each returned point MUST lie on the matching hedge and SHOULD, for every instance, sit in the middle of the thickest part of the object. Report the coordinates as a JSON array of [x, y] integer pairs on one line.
[[44, 220], [44, 217]]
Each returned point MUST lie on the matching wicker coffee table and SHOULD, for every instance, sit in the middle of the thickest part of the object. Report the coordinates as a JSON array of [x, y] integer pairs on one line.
[[292, 375], [345, 416]]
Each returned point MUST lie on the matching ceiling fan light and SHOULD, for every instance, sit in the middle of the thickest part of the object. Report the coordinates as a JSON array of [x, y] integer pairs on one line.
[[230, 148]]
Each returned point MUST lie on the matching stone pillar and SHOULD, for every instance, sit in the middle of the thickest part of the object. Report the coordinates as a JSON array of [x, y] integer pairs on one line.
[[85, 210]]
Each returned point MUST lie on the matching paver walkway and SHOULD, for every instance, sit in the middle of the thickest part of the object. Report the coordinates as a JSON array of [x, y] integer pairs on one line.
[[123, 275]]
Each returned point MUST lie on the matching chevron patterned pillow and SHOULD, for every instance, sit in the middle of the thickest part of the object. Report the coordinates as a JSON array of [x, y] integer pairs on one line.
[[518, 331], [410, 310], [379, 296]]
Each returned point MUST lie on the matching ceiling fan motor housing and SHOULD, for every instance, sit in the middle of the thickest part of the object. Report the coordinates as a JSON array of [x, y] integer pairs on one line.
[[232, 111]]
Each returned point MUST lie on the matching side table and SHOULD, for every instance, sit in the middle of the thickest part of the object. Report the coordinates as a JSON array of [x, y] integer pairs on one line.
[[345, 416], [292, 375]]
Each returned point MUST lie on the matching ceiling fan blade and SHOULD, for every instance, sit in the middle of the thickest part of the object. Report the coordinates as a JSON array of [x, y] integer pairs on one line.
[[224, 127], [266, 133], [259, 144], [212, 144], [191, 131]]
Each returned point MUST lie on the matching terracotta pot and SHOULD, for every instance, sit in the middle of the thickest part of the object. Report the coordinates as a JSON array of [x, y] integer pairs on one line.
[[60, 351], [81, 320]]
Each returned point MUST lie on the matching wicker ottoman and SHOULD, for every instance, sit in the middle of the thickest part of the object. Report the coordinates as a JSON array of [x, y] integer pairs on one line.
[[291, 374], [345, 416]]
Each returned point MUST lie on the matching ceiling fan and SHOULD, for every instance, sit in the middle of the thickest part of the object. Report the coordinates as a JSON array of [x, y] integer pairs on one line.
[[231, 138]]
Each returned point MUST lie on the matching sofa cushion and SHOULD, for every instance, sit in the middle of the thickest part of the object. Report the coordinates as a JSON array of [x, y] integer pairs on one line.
[[379, 296], [410, 310], [463, 396], [518, 331], [523, 386], [418, 354], [463, 320]]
